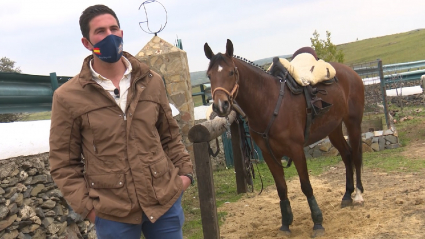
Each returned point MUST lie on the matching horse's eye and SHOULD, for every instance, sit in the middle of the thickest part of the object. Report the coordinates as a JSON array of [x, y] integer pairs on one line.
[[209, 77], [231, 73]]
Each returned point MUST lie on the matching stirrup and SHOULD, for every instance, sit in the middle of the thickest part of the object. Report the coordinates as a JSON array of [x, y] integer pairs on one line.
[[322, 108]]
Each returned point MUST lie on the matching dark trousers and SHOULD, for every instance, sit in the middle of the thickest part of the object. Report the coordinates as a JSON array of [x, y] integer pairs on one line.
[[167, 226]]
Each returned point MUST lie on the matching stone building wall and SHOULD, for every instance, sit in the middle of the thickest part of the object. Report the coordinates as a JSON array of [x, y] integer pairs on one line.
[[172, 64], [31, 206]]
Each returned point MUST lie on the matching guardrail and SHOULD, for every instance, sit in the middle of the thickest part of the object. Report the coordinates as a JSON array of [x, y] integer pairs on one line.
[[28, 93], [398, 67], [404, 76]]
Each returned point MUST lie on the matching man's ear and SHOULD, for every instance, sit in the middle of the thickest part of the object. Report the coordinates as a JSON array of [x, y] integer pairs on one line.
[[87, 44]]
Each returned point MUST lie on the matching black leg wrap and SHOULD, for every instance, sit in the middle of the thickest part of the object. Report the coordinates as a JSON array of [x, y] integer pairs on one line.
[[286, 210], [316, 214]]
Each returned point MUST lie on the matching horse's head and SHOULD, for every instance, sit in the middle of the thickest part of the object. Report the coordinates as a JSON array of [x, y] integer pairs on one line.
[[224, 78]]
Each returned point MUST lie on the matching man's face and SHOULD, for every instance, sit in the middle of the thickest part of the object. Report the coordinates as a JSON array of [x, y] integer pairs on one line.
[[101, 27]]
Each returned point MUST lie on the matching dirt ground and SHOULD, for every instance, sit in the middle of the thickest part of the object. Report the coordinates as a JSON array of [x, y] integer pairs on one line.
[[394, 206]]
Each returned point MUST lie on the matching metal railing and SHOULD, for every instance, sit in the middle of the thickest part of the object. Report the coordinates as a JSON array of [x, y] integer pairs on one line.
[[28, 93], [390, 68]]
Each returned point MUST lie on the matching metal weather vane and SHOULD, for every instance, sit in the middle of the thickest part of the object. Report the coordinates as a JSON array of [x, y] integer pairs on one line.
[[149, 31]]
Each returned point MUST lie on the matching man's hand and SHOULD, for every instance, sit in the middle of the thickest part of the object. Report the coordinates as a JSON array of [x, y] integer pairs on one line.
[[92, 215], [186, 182]]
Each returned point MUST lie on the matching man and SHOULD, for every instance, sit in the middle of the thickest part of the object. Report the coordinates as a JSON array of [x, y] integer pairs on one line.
[[115, 150]]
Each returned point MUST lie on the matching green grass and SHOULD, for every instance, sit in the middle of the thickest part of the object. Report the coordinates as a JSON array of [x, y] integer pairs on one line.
[[197, 100], [396, 48], [37, 116]]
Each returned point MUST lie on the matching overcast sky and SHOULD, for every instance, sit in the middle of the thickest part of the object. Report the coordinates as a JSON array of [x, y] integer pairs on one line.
[[43, 36]]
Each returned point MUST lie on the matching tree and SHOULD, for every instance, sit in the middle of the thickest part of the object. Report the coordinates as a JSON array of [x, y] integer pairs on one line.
[[7, 65], [325, 49]]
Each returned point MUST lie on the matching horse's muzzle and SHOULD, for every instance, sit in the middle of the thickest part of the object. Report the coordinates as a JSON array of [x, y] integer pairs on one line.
[[222, 108]]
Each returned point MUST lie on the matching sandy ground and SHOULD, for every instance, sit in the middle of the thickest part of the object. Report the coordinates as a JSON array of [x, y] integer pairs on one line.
[[394, 206]]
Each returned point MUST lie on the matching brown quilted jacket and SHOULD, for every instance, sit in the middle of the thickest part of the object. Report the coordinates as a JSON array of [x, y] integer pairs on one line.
[[119, 164]]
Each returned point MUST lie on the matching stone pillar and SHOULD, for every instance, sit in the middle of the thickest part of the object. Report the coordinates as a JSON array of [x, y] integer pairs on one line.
[[171, 63]]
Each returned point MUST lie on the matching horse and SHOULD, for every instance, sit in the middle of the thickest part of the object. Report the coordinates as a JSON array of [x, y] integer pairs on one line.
[[258, 95]]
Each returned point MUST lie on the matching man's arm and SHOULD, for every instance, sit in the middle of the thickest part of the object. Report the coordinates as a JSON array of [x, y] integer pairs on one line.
[[168, 130], [66, 166]]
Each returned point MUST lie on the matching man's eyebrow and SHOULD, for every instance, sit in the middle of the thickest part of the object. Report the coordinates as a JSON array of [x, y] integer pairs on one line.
[[101, 28]]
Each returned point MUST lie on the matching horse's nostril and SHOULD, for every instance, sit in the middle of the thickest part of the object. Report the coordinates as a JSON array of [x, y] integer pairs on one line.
[[225, 105], [214, 107]]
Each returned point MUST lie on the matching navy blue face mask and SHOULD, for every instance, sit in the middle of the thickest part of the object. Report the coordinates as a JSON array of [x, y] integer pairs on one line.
[[109, 49]]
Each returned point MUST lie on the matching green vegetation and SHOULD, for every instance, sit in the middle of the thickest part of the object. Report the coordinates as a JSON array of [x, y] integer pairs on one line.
[[396, 48], [37, 116], [325, 49], [7, 65], [197, 100]]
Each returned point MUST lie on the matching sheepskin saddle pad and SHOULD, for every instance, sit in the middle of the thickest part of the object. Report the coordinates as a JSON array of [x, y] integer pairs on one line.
[[306, 70]]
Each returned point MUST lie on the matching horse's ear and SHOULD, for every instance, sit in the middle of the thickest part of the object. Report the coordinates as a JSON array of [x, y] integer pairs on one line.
[[229, 48], [208, 52]]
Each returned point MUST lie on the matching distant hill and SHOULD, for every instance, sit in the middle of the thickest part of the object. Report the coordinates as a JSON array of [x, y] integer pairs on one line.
[[396, 48]]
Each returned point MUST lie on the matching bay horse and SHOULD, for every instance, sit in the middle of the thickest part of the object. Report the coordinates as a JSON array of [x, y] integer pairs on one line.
[[257, 93]]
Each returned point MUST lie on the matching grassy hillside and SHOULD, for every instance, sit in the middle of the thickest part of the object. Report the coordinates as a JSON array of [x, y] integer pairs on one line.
[[396, 48]]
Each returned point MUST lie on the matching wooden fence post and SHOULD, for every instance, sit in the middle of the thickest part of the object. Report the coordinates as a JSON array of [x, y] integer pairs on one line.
[[206, 191], [200, 135], [238, 161]]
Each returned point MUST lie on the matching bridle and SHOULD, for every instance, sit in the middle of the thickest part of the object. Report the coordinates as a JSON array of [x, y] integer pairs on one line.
[[234, 92]]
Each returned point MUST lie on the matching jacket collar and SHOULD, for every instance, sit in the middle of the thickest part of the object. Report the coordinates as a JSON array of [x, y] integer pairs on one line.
[[139, 69]]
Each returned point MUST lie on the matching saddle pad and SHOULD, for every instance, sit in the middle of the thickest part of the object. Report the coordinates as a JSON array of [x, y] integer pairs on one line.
[[307, 71]]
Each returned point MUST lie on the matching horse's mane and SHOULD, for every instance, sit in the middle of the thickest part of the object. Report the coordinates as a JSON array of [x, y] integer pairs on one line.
[[220, 57], [250, 63]]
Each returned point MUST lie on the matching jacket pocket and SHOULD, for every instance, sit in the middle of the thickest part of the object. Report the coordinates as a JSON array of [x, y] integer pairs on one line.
[[165, 181], [110, 194]]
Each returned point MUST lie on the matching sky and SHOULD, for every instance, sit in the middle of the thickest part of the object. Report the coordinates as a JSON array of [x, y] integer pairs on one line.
[[43, 36]]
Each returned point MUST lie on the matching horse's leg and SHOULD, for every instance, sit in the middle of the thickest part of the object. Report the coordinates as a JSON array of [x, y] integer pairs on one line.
[[282, 191], [299, 159], [338, 141], [355, 139]]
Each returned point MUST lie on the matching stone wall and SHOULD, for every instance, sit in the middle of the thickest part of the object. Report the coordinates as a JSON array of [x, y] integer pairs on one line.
[[371, 142], [373, 96], [172, 64], [407, 100], [31, 206]]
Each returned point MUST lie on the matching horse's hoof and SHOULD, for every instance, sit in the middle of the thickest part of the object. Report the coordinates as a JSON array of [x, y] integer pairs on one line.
[[346, 203], [285, 230], [318, 231]]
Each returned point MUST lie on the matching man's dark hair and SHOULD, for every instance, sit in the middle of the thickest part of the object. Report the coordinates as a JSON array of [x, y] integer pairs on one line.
[[92, 12]]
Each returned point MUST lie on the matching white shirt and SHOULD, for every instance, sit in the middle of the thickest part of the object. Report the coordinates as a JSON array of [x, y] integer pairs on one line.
[[109, 86]]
